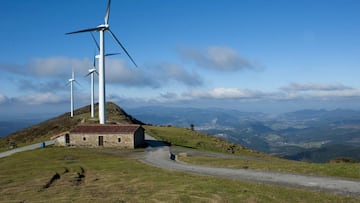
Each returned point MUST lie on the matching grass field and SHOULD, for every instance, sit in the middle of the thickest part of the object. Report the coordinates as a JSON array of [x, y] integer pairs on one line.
[[345, 170], [82, 175], [89, 175], [190, 139]]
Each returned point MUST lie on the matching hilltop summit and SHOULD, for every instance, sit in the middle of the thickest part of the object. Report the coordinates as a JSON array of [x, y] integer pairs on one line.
[[45, 130]]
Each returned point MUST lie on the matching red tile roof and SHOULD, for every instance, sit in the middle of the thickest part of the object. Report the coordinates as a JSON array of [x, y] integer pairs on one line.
[[105, 129]]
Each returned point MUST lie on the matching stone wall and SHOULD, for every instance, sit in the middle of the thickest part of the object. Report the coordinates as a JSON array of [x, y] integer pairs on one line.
[[109, 140], [60, 141]]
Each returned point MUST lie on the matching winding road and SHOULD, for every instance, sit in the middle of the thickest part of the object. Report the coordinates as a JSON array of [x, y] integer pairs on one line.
[[160, 155]]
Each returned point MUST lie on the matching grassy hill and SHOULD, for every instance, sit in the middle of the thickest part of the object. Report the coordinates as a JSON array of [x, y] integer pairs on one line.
[[44, 130], [57, 174], [187, 138], [244, 157]]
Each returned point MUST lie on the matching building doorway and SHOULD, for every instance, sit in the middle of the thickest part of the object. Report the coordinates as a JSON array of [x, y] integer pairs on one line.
[[101, 141], [67, 139]]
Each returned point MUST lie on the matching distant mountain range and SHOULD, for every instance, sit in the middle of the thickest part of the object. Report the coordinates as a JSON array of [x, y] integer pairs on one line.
[[310, 135]]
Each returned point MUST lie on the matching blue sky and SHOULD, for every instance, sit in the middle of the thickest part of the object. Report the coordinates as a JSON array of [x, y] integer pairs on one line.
[[251, 55]]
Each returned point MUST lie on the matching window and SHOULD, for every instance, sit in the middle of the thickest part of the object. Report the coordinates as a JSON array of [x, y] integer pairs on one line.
[[119, 139], [84, 138]]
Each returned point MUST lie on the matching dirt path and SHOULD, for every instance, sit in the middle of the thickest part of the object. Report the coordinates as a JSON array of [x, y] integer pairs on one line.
[[161, 157]]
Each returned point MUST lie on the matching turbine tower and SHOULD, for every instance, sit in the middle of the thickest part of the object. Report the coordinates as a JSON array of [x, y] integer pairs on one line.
[[101, 29], [91, 73], [71, 81]]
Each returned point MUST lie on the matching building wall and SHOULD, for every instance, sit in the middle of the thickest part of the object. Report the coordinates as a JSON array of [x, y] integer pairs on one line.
[[60, 141], [109, 140]]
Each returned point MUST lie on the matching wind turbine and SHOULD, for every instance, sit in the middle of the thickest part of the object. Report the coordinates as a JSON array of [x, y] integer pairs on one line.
[[71, 82], [101, 29], [91, 73]]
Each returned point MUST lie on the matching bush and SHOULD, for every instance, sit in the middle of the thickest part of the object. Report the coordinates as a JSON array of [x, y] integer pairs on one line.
[[343, 160]]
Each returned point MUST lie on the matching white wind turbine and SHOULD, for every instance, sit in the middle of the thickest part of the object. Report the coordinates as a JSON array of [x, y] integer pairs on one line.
[[71, 82], [91, 73], [101, 29]]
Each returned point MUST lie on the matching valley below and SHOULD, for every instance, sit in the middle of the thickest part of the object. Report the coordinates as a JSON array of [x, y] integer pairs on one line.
[[308, 135]]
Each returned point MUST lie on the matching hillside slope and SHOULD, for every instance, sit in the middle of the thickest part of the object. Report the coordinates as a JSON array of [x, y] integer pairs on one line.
[[64, 122]]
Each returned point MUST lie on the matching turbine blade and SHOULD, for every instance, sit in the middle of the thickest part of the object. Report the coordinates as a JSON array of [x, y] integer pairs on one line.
[[94, 61], [112, 54], [85, 30], [88, 74], [116, 39], [77, 83], [97, 44], [107, 14]]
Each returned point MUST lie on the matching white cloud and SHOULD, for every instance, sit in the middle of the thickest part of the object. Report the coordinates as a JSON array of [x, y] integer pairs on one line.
[[153, 76], [225, 93], [219, 58], [42, 70], [41, 98], [117, 71], [318, 91], [295, 87], [3, 99], [57, 66], [40, 86], [169, 95], [168, 71]]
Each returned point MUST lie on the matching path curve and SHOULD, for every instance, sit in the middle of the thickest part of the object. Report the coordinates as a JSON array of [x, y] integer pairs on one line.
[[161, 157]]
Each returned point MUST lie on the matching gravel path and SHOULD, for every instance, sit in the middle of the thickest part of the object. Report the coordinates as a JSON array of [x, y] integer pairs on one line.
[[161, 157], [26, 148]]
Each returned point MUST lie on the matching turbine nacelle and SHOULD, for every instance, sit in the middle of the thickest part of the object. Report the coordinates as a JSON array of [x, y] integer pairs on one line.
[[102, 27], [92, 70]]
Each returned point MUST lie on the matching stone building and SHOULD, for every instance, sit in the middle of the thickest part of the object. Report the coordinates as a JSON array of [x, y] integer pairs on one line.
[[61, 139], [123, 136]]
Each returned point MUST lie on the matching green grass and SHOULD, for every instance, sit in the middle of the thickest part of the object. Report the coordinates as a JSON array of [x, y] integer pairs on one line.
[[345, 170], [192, 139], [253, 160], [122, 178]]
